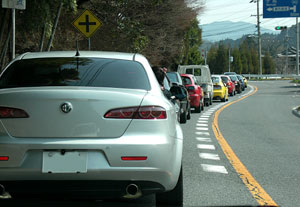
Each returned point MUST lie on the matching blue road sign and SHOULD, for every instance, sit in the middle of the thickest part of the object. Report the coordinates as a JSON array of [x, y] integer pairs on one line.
[[281, 8]]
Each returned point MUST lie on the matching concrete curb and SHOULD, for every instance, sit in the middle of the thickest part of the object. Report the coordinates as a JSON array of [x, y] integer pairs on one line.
[[296, 112]]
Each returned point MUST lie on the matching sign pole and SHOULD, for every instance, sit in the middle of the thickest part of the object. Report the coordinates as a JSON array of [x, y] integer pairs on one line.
[[297, 42], [89, 43], [13, 33]]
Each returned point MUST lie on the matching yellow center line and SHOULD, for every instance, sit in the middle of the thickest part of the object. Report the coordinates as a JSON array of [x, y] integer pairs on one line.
[[258, 193]]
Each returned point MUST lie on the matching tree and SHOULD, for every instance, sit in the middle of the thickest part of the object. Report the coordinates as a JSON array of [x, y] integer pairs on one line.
[[237, 62], [268, 64], [222, 60], [192, 41], [211, 58]]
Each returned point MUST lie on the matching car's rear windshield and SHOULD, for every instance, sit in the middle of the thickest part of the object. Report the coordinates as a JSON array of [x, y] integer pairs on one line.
[[224, 79], [186, 80], [233, 78], [215, 79], [74, 71], [172, 77]]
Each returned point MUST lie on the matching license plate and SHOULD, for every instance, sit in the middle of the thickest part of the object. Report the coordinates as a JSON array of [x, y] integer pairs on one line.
[[68, 162]]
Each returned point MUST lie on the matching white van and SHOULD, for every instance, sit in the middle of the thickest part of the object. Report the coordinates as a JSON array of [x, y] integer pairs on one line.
[[202, 73]]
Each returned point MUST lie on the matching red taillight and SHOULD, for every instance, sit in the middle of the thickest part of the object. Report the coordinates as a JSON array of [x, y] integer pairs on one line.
[[143, 112], [8, 112], [4, 158], [135, 158]]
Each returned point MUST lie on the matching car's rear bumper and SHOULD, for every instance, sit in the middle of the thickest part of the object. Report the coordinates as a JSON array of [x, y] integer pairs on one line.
[[104, 161], [218, 94], [194, 100]]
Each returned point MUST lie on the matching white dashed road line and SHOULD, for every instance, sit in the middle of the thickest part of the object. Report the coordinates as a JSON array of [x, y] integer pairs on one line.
[[202, 130], [214, 168], [202, 133], [203, 139], [209, 156], [206, 146], [202, 125]]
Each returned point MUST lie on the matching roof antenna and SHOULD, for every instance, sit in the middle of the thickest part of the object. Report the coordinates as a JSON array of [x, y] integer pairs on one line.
[[77, 49]]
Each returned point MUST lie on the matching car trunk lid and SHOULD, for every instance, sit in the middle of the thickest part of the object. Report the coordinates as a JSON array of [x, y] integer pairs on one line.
[[49, 117]]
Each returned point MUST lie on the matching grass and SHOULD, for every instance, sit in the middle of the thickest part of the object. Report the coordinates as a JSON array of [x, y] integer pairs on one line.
[[296, 81]]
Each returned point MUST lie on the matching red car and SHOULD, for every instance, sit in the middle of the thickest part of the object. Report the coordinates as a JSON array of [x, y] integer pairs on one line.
[[195, 91], [230, 85]]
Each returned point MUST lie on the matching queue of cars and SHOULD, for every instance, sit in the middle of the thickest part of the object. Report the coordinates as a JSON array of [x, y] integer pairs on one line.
[[202, 87]]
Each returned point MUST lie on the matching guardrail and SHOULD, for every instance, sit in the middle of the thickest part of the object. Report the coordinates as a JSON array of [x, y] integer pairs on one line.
[[271, 76]]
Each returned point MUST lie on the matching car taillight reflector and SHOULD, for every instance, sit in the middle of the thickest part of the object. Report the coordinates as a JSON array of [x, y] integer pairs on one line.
[[143, 112], [135, 158], [4, 158], [8, 112]]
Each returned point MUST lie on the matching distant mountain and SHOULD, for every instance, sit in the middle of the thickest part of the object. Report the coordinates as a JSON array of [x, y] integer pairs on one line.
[[217, 31]]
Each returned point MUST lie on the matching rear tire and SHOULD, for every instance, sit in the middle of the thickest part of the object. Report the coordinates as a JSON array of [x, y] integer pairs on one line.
[[189, 114], [183, 117], [198, 108], [173, 197]]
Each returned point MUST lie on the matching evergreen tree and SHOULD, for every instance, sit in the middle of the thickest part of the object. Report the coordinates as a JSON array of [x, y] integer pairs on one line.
[[268, 64]]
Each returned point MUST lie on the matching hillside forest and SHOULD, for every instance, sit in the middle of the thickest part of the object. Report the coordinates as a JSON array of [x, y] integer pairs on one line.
[[165, 31]]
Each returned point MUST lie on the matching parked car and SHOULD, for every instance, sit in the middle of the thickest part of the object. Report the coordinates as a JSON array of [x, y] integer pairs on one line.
[[241, 81], [230, 85], [195, 92], [203, 76], [235, 80], [245, 81], [182, 96], [220, 90], [96, 121]]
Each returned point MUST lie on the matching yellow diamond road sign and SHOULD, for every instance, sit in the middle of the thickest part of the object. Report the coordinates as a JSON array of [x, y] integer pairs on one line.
[[87, 23]]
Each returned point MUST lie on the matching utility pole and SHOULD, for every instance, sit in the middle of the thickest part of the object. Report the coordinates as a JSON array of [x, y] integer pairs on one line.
[[259, 39], [258, 36], [287, 51], [229, 59]]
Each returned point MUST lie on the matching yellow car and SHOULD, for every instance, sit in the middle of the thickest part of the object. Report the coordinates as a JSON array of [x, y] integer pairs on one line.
[[245, 81], [220, 89]]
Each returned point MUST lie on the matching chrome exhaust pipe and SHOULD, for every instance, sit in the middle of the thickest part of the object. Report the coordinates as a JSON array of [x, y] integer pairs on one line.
[[132, 191], [3, 193]]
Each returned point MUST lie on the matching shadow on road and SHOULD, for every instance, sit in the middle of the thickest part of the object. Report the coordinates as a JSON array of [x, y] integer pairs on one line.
[[148, 201]]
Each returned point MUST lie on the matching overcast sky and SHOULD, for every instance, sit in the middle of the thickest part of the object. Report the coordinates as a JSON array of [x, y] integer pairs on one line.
[[238, 10]]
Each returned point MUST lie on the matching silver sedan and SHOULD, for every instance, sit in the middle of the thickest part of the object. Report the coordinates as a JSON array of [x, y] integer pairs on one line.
[[93, 124]]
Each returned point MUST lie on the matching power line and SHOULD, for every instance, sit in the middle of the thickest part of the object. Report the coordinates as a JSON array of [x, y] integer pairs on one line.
[[227, 32]]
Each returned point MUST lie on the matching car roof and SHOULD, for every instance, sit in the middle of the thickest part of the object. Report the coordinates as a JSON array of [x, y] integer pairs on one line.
[[90, 54]]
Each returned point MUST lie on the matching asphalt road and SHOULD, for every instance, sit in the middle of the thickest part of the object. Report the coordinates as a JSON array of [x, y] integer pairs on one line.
[[262, 132], [265, 136]]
